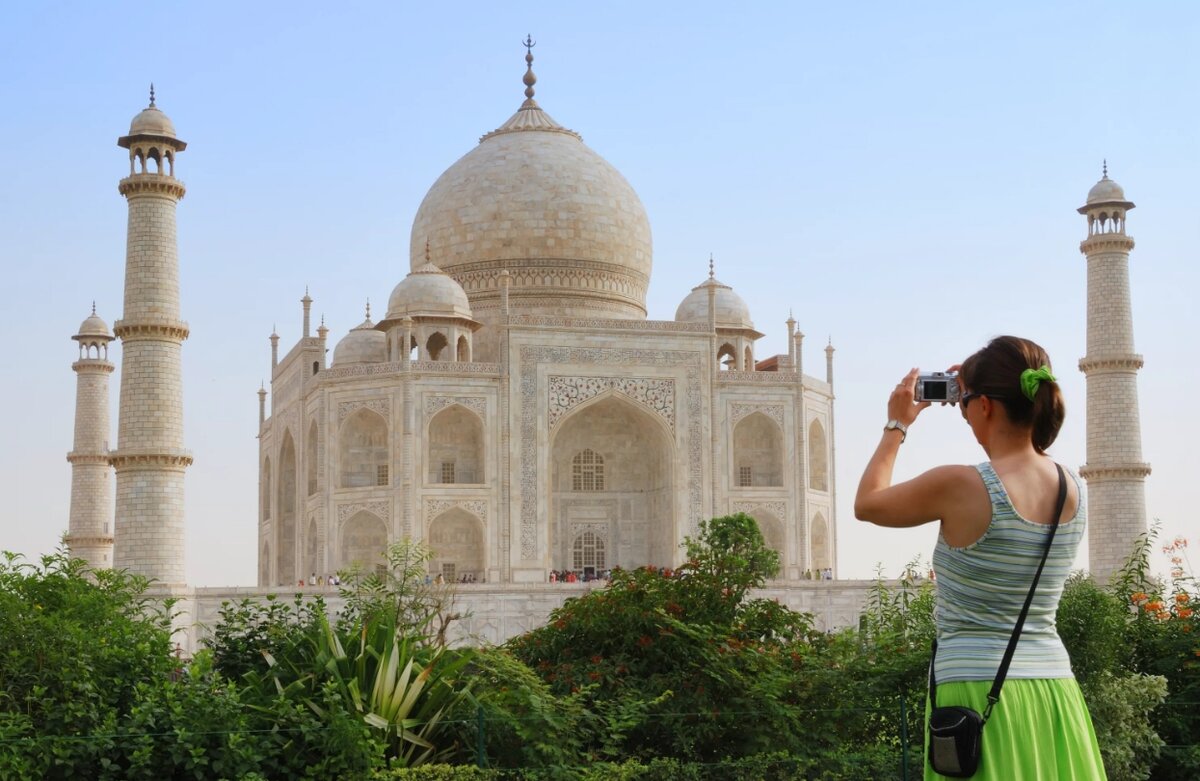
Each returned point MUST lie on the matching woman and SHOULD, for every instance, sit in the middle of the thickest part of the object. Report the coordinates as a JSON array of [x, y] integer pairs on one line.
[[994, 520]]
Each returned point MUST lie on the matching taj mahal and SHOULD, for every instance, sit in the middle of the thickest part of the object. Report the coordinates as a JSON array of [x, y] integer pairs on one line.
[[512, 406]]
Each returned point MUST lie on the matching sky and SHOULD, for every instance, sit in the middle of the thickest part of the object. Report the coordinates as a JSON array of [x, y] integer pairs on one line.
[[903, 178]]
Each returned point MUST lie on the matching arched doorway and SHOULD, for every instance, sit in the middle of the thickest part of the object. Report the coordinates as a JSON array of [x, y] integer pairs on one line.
[[456, 540], [363, 542], [822, 554], [612, 477], [771, 529]]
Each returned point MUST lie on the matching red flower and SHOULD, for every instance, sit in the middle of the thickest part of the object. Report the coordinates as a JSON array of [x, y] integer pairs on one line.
[[645, 642]]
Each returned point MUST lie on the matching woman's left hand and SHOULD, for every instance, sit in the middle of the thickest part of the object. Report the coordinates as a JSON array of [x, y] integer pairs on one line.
[[901, 406]]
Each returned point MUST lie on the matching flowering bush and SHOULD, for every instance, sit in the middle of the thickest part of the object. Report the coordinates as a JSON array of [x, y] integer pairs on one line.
[[1163, 638]]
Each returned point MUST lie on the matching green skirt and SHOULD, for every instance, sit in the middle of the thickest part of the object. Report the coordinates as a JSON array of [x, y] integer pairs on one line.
[[1039, 731]]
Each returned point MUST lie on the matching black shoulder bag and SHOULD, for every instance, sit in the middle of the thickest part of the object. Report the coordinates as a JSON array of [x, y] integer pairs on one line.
[[955, 732]]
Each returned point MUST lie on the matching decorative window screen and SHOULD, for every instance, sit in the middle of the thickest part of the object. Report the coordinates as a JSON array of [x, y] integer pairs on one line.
[[587, 471]]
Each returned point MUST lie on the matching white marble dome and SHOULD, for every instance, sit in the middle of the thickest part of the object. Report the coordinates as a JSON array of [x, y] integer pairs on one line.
[[1105, 191], [428, 292], [732, 311], [532, 198], [362, 345], [94, 327], [152, 122]]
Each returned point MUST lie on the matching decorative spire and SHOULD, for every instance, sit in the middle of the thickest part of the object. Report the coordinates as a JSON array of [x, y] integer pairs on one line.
[[368, 309], [529, 79], [151, 94], [711, 267], [1105, 168], [427, 249], [93, 307]]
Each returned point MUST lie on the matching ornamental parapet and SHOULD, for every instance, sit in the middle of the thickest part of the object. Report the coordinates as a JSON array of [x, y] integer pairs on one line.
[[787, 378], [151, 328], [1118, 242], [77, 540], [127, 458], [1127, 362], [603, 323], [93, 366], [455, 367], [395, 367], [151, 184], [1114, 473], [99, 459]]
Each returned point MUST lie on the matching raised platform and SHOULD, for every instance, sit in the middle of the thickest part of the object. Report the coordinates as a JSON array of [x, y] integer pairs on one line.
[[494, 613]]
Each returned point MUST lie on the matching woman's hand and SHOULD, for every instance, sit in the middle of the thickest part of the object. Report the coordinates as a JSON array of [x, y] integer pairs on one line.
[[901, 406]]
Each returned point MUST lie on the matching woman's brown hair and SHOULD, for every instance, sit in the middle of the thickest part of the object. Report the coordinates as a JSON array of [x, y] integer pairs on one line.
[[995, 372]]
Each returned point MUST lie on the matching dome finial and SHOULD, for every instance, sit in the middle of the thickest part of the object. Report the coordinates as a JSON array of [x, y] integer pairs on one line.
[[427, 249], [1105, 168], [93, 306], [151, 94], [368, 309], [711, 270], [529, 79]]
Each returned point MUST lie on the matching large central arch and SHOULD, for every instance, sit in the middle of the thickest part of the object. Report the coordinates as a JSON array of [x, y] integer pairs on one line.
[[612, 466]]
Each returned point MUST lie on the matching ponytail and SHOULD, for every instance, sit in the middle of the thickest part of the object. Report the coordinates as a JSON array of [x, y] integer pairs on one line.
[[1016, 372]]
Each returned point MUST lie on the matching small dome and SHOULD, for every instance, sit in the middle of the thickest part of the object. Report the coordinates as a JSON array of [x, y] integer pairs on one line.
[[152, 122], [732, 311], [1105, 191], [94, 327], [428, 292], [362, 345]]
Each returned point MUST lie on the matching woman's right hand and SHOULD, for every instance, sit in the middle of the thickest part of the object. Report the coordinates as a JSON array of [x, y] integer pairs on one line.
[[901, 404]]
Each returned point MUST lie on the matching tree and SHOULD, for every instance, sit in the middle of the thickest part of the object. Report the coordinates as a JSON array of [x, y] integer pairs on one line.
[[672, 662]]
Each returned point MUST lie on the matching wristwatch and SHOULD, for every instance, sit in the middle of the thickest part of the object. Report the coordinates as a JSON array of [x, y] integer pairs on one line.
[[898, 426]]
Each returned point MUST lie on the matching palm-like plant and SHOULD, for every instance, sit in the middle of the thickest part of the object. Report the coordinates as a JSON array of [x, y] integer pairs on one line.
[[397, 685]]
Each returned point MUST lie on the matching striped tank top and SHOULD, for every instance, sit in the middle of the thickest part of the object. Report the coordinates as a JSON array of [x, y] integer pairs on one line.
[[981, 588]]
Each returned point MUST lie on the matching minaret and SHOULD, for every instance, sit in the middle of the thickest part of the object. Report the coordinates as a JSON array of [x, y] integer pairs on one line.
[[1114, 471], [150, 459], [90, 535]]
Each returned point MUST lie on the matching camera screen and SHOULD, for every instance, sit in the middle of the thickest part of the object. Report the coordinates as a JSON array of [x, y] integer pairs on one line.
[[934, 390]]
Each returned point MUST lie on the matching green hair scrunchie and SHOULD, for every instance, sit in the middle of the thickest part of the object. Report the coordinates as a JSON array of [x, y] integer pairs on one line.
[[1032, 379]]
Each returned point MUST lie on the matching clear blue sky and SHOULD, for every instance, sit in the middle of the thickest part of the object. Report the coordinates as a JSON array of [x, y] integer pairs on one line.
[[903, 177]]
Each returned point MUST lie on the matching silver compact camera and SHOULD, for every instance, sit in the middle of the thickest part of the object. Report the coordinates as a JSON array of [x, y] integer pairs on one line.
[[938, 386]]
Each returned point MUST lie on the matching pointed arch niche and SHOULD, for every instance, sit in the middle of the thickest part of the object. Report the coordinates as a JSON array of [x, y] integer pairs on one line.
[[456, 540], [264, 564], [757, 452], [265, 489], [818, 457], [771, 528], [630, 512], [363, 542], [285, 536], [455, 453], [312, 551], [310, 458], [363, 450], [820, 543]]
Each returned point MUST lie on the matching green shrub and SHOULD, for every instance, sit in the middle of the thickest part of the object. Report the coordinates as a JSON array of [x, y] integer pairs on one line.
[[1120, 708]]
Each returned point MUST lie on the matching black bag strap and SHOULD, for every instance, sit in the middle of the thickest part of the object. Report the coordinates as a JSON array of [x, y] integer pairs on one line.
[[994, 695]]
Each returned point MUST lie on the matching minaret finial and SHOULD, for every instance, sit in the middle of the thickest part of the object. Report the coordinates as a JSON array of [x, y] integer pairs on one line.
[[1106, 168], [151, 94], [711, 267], [368, 309], [529, 79], [93, 307]]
